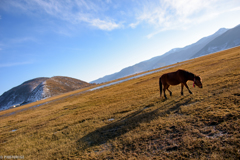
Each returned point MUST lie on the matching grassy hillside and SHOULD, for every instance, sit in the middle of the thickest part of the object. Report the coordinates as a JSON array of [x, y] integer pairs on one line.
[[130, 121]]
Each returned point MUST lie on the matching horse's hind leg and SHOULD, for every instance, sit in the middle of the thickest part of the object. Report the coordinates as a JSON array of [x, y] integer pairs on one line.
[[164, 89], [169, 91], [182, 89], [164, 93]]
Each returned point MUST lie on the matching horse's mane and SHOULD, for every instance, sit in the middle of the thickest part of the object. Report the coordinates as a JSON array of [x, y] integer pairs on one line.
[[189, 73]]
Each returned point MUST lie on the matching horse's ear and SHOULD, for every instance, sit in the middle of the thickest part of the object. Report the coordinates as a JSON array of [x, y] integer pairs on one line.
[[198, 77]]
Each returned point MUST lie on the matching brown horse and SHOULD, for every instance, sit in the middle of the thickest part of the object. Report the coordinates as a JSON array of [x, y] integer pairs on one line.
[[175, 78]]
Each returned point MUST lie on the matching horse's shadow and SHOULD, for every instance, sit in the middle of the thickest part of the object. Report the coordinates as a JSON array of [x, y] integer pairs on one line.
[[125, 124]]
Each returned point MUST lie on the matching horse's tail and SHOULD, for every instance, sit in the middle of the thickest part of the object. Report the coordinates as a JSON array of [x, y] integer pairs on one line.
[[160, 87]]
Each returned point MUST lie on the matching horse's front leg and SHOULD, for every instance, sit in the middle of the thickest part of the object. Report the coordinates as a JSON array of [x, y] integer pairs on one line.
[[187, 88]]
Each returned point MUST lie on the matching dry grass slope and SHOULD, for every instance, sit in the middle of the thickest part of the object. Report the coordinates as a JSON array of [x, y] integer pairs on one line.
[[130, 121]]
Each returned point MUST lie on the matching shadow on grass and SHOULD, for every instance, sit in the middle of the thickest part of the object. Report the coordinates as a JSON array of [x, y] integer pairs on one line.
[[128, 123]]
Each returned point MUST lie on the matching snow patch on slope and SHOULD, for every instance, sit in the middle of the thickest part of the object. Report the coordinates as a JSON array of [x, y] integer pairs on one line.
[[217, 48], [40, 92], [38, 89]]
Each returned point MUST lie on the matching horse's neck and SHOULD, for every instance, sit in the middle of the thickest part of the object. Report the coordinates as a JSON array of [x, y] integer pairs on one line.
[[191, 76]]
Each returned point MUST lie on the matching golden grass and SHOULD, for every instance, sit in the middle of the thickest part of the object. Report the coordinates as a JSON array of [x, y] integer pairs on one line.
[[130, 121]]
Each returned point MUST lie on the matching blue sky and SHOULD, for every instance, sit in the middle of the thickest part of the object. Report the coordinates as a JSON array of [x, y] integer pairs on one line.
[[87, 39]]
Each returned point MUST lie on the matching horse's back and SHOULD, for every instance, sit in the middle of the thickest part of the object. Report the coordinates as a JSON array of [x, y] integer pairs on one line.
[[182, 72], [170, 78]]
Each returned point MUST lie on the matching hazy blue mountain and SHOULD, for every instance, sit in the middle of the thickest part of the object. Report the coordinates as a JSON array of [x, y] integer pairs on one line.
[[173, 56], [228, 39]]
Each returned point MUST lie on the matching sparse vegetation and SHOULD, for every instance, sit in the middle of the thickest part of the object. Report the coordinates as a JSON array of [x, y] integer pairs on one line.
[[130, 121]]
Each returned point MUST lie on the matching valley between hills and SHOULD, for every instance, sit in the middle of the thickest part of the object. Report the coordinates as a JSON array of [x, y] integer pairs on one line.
[[130, 121]]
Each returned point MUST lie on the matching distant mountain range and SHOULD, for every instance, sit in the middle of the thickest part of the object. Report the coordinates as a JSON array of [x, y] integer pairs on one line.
[[221, 40], [39, 88]]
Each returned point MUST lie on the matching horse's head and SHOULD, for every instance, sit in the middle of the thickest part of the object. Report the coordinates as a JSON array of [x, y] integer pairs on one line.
[[197, 81]]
